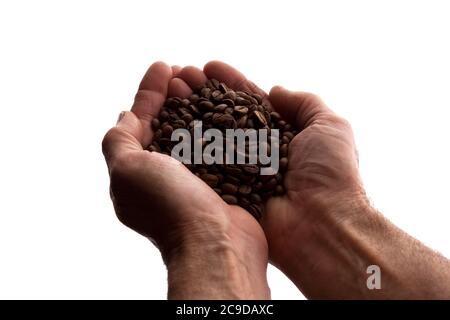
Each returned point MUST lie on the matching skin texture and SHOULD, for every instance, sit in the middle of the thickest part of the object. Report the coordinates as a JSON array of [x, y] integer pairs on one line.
[[322, 233]]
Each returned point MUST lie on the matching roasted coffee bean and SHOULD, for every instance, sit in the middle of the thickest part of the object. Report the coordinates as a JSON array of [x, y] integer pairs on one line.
[[285, 140], [283, 163], [255, 198], [155, 124], [242, 122], [154, 147], [187, 118], [210, 179], [255, 210], [220, 107], [241, 110], [229, 102], [233, 170], [218, 191], [288, 134], [225, 121], [257, 97], [230, 95], [179, 124], [206, 106], [157, 135], [250, 168], [279, 190], [232, 179], [270, 185], [206, 92], [244, 202], [229, 199], [167, 131], [229, 188], [223, 87], [245, 190], [228, 110], [242, 101], [163, 116], [284, 150]]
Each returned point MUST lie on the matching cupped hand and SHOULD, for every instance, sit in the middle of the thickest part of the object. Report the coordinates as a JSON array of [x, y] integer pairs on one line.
[[161, 199], [322, 175]]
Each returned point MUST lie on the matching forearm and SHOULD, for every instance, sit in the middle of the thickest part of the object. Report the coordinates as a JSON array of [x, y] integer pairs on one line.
[[332, 262], [214, 271]]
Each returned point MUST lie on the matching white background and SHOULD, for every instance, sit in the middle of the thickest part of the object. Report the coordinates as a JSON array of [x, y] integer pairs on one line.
[[68, 68]]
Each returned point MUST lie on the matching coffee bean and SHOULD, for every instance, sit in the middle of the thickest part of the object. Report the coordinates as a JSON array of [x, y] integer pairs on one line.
[[155, 124], [206, 92], [242, 122], [209, 179], [167, 131], [228, 102], [187, 118], [255, 210], [242, 101], [233, 170], [283, 163], [229, 188], [270, 185], [225, 121], [245, 190], [255, 198], [285, 140], [229, 199], [244, 202], [288, 134], [206, 106], [257, 97], [232, 179], [220, 107], [163, 116], [157, 135], [284, 150], [218, 191], [241, 110], [223, 87], [229, 110], [250, 168], [230, 95], [279, 190]]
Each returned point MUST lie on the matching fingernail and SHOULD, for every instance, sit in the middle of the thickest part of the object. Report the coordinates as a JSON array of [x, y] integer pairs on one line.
[[120, 116]]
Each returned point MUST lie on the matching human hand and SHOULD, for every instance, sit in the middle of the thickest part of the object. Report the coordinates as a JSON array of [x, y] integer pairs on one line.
[[322, 183], [212, 250], [322, 233]]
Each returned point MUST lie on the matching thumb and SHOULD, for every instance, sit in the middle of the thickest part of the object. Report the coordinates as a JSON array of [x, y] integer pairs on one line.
[[126, 136], [302, 107]]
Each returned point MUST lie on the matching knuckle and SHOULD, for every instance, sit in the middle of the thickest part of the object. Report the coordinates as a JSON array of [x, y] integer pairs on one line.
[[312, 98]]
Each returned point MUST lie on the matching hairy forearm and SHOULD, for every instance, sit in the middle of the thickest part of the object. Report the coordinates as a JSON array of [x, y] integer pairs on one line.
[[333, 259], [213, 271]]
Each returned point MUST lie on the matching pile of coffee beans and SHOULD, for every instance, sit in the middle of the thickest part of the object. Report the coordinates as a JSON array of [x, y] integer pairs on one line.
[[220, 107]]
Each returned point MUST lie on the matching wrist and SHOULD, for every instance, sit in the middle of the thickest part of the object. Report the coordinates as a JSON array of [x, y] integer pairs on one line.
[[206, 260], [211, 270], [337, 247]]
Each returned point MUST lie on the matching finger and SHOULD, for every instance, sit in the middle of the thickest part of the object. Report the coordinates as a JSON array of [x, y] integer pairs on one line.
[[194, 77], [178, 88], [176, 70], [126, 136], [304, 108], [231, 77], [151, 95]]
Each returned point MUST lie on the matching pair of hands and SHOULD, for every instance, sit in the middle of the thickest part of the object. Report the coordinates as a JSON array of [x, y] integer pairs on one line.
[[162, 200]]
